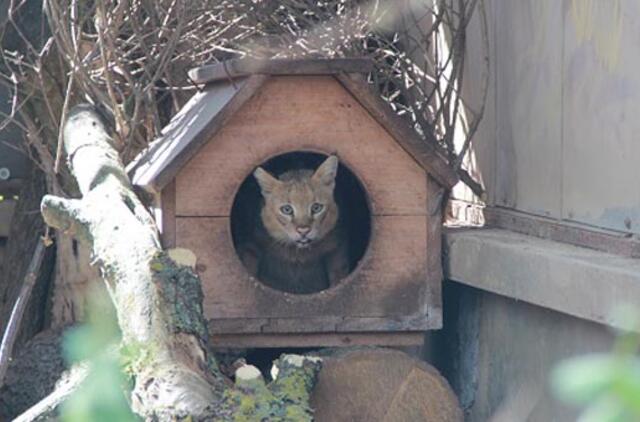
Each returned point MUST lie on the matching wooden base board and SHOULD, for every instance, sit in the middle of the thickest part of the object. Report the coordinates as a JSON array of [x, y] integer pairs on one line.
[[318, 339]]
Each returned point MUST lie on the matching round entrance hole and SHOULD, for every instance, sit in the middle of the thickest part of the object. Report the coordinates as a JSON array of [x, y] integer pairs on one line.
[[291, 248]]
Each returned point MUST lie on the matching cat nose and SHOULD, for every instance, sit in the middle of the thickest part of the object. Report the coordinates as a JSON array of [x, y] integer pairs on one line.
[[303, 230]]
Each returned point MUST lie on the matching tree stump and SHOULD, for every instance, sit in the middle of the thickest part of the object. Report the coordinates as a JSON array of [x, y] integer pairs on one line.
[[382, 385]]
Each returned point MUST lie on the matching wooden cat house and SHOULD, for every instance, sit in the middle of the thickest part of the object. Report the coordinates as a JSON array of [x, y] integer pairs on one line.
[[275, 114]]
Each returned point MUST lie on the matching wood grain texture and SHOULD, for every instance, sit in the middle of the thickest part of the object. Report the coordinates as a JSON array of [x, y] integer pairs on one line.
[[601, 149], [323, 324], [168, 206], [390, 290], [418, 322], [529, 105], [189, 130], [434, 253], [390, 281], [317, 340], [424, 152], [379, 385], [234, 68], [303, 113]]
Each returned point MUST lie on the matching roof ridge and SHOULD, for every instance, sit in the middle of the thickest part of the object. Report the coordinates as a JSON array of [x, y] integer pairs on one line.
[[240, 67]]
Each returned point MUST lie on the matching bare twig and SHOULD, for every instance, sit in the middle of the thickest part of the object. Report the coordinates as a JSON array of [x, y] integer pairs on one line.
[[63, 117], [13, 327], [131, 57]]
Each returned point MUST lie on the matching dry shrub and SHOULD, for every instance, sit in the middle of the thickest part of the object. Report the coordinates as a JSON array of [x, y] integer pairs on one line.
[[130, 57]]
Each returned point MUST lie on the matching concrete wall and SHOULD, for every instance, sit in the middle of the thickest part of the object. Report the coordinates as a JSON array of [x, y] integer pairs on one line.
[[559, 137], [497, 353]]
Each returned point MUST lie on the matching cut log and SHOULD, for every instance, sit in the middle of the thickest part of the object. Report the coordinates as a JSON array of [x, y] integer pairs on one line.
[[13, 327], [382, 385]]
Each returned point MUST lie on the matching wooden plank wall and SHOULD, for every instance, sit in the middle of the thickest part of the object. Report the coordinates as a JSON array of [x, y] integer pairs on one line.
[[601, 149], [559, 138]]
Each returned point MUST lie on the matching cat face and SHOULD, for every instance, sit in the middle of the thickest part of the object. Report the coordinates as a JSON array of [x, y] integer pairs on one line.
[[299, 208]]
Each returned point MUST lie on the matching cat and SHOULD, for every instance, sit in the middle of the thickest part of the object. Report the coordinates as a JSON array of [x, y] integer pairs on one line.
[[299, 244]]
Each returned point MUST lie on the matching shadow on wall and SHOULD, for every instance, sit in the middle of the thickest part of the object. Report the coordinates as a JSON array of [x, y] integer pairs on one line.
[[498, 354]]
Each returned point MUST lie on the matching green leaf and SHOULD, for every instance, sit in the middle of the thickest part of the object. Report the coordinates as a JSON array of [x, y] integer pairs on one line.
[[103, 394], [605, 409], [101, 397], [582, 379]]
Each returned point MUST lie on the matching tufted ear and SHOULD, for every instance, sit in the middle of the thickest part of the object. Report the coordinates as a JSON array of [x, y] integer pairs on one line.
[[326, 173], [266, 181]]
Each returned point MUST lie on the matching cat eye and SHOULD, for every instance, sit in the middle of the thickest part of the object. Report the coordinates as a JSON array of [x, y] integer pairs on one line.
[[316, 208], [286, 209]]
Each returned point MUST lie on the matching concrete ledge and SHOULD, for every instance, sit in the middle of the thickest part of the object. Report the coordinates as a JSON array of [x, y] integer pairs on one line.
[[577, 281]]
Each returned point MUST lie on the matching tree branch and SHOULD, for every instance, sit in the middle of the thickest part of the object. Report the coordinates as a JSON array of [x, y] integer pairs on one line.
[[65, 215], [158, 302]]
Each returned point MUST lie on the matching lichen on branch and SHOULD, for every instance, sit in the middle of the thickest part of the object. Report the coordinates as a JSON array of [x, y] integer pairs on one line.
[[159, 302]]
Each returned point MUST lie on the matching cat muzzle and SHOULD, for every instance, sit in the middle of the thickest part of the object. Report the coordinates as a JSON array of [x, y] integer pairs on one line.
[[303, 242], [303, 230]]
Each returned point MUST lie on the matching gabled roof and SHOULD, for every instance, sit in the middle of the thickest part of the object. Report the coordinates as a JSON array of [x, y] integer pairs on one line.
[[231, 84]]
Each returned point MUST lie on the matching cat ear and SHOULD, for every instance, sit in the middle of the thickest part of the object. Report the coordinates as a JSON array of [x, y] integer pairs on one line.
[[326, 173], [266, 181]]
